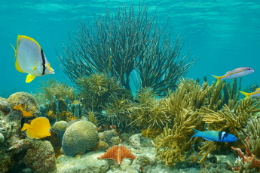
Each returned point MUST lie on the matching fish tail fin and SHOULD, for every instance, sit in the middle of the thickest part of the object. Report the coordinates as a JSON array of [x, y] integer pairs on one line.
[[26, 126], [14, 50], [196, 133], [246, 94], [218, 79]]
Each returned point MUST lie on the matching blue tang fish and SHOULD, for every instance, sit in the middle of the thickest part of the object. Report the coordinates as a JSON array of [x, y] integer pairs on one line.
[[218, 136]]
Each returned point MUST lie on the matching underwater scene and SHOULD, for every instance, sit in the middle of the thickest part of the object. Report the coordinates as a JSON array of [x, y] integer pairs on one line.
[[134, 86]]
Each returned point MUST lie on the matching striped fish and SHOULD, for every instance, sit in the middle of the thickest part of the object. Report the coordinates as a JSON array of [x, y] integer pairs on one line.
[[256, 93], [218, 136], [238, 72], [30, 58]]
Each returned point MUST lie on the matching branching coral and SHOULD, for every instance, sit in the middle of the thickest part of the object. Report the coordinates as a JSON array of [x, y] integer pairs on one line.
[[125, 43], [253, 141], [172, 144], [51, 87], [98, 90], [150, 112], [249, 160], [118, 113]]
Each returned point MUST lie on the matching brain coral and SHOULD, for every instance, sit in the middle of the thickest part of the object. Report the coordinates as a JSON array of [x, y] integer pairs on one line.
[[59, 128], [79, 137]]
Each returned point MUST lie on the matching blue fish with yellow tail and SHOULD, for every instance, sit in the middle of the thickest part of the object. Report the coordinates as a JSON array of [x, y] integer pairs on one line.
[[218, 136]]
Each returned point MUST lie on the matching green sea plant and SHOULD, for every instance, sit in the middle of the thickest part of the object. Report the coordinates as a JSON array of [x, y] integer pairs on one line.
[[231, 92], [125, 44], [51, 87], [149, 112], [98, 90], [118, 113]]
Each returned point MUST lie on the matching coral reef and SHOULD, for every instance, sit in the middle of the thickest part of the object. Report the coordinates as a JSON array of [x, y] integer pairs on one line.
[[4, 106], [99, 90], [79, 137], [146, 46], [171, 146], [62, 109], [106, 136], [51, 87], [2, 138], [253, 141], [59, 128], [248, 161], [150, 112], [25, 103], [118, 113], [39, 157]]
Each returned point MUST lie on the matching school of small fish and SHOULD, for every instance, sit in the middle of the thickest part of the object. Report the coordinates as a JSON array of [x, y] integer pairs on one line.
[[31, 59]]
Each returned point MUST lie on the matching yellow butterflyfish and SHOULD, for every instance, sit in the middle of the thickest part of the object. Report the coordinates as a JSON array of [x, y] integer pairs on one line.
[[30, 58], [39, 128]]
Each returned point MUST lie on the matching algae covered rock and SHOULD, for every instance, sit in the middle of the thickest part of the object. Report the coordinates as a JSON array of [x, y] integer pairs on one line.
[[79, 137], [2, 138], [4, 105], [24, 102], [59, 128], [40, 158]]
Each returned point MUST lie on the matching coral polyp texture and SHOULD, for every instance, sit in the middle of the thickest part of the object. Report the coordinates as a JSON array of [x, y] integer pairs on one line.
[[79, 137]]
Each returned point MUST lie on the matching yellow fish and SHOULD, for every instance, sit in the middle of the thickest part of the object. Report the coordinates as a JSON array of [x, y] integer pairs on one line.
[[30, 58], [256, 93], [40, 127]]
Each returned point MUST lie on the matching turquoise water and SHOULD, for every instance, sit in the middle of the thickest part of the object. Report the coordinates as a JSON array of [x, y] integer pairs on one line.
[[225, 34]]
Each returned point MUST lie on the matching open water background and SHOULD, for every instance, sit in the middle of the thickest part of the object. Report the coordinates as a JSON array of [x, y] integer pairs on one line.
[[225, 34]]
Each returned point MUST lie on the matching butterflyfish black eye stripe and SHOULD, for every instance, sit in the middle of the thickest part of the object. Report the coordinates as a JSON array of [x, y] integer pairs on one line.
[[43, 62]]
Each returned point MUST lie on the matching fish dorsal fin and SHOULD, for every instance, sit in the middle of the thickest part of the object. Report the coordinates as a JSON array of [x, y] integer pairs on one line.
[[235, 70], [28, 38], [29, 78]]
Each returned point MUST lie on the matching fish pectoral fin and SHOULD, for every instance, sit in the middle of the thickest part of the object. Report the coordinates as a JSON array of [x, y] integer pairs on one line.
[[208, 139], [34, 68], [18, 67], [29, 78]]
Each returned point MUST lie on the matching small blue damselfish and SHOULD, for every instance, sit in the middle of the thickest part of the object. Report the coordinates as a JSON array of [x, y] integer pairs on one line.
[[218, 136]]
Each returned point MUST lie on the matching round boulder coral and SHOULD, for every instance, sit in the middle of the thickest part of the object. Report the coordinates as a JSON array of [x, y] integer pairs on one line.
[[79, 137], [59, 128]]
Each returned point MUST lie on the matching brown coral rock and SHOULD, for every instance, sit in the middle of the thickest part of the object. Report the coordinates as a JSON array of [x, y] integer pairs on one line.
[[26, 101], [41, 158]]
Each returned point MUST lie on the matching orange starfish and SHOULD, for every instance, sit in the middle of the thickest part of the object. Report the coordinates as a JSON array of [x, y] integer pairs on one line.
[[118, 153]]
